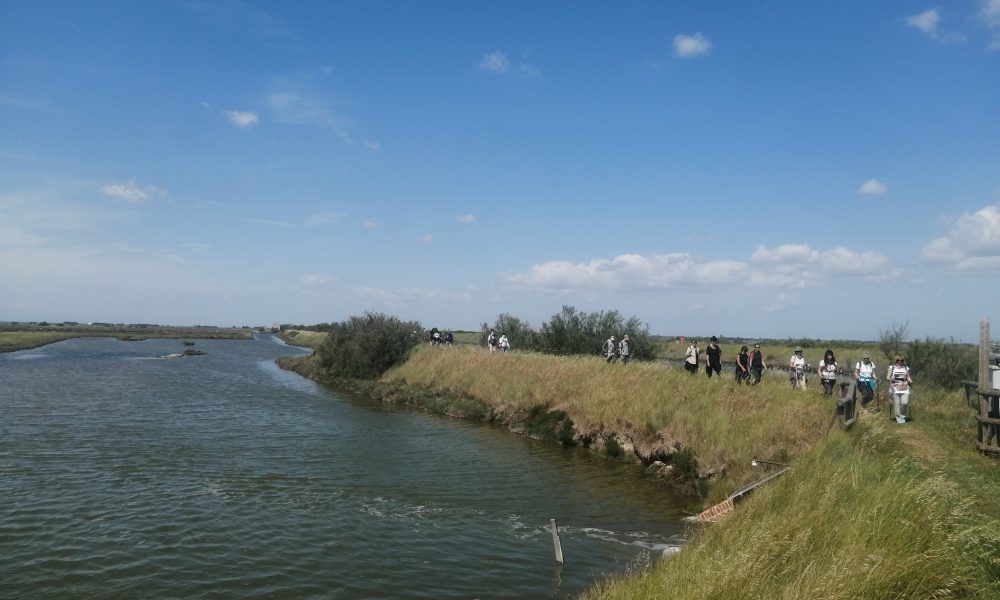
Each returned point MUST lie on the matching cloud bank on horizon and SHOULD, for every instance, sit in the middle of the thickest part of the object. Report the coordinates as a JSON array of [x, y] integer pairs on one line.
[[778, 171]]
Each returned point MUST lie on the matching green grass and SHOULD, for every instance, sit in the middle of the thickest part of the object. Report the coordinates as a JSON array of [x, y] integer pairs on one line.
[[881, 511], [307, 339], [11, 341], [878, 511]]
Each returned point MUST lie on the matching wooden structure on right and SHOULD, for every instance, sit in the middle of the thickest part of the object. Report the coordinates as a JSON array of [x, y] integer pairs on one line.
[[988, 413]]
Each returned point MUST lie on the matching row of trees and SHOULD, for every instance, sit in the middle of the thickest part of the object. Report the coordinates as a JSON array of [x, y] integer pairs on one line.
[[575, 332], [365, 346]]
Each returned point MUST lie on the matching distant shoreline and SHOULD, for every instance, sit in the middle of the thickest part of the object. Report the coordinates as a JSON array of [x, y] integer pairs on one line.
[[14, 338]]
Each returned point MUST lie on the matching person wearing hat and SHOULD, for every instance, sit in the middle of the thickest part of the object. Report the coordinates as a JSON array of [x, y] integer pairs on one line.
[[865, 373], [797, 368], [900, 382], [713, 357], [609, 349]]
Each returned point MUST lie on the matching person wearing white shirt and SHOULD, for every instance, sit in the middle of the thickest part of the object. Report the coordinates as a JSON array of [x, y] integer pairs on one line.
[[865, 373], [797, 366], [900, 382]]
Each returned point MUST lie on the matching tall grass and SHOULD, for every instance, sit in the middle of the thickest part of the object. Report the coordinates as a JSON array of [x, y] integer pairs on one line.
[[725, 425], [858, 516]]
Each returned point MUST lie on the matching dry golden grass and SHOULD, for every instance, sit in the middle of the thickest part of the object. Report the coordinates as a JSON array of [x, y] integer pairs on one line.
[[724, 424]]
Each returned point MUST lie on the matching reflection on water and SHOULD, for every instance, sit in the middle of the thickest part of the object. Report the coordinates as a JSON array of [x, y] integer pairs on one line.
[[223, 476]]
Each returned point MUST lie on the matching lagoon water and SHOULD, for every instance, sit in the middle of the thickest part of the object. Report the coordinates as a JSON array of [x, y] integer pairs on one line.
[[222, 476]]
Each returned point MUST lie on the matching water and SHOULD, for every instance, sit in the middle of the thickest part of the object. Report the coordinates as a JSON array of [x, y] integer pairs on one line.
[[222, 476]]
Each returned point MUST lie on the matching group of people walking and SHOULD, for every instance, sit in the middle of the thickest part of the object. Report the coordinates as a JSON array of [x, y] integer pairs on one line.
[[495, 344], [622, 349], [750, 367]]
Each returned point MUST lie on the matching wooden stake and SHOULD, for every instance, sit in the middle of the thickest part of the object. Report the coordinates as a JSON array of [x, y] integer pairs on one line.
[[555, 541]]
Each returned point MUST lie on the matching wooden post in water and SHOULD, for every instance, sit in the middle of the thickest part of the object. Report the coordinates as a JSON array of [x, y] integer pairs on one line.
[[555, 541]]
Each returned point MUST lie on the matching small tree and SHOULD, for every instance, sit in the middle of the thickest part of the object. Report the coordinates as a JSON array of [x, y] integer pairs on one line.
[[892, 341], [364, 347], [943, 363]]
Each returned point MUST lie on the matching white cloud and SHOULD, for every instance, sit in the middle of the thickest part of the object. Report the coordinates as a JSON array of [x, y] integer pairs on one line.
[[426, 238], [316, 279], [325, 218], [689, 46], [369, 223], [781, 302], [927, 23], [465, 218], [989, 16], [293, 108], [373, 146], [973, 244], [847, 262], [241, 118], [785, 253], [130, 192], [786, 266], [873, 187], [496, 62]]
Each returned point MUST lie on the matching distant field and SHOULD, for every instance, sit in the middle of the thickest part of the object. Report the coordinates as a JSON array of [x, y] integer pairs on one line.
[[23, 337]]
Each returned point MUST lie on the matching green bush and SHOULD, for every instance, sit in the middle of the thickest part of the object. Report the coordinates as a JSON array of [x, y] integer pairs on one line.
[[577, 332], [364, 347], [942, 363], [518, 332]]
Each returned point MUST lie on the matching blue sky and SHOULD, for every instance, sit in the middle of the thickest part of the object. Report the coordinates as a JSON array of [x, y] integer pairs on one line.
[[806, 169]]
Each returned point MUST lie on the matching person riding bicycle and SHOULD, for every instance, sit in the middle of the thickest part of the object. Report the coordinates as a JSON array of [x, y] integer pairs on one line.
[[865, 373], [797, 369]]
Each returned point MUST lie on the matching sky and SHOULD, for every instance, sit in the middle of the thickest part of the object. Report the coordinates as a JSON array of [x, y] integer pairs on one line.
[[780, 169]]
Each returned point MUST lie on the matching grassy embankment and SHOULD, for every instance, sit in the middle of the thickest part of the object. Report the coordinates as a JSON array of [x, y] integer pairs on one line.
[[880, 511], [13, 338], [306, 339], [657, 410]]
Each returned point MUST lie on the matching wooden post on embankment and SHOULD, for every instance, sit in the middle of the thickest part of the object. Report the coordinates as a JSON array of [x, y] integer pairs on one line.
[[988, 429]]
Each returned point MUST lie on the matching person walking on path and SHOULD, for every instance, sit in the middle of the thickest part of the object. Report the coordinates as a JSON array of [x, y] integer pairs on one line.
[[713, 357], [691, 356], [757, 364], [503, 343], [828, 372], [623, 350], [609, 349], [491, 341], [797, 366], [866, 374], [743, 366], [900, 383]]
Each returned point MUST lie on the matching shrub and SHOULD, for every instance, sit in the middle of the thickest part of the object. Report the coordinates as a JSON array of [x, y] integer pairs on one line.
[[942, 363], [364, 347], [577, 332], [520, 334]]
